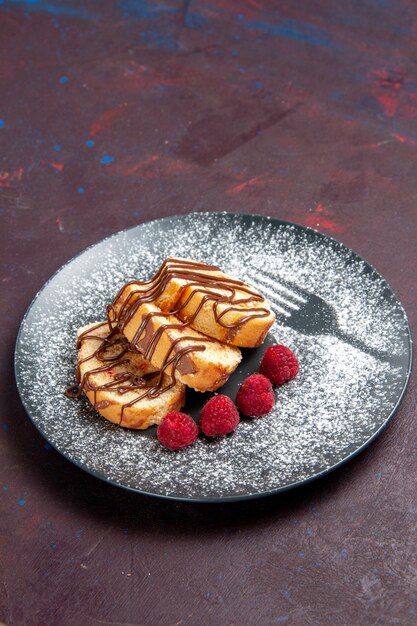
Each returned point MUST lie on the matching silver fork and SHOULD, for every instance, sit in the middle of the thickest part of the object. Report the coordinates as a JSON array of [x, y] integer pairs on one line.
[[308, 313]]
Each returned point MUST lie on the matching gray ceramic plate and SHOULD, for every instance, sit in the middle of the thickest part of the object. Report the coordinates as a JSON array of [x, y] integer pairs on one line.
[[334, 310]]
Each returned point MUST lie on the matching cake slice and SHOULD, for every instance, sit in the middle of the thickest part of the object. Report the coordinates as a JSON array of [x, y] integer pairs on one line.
[[121, 385], [178, 350], [213, 303]]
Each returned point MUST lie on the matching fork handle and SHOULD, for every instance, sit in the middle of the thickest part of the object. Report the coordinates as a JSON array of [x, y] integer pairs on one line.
[[363, 347]]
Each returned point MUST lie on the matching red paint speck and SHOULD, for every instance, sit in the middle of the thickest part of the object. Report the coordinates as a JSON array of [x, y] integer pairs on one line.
[[7, 178], [321, 218], [403, 139], [395, 84], [387, 87], [106, 119], [58, 166], [155, 166], [323, 223], [389, 103], [252, 182], [128, 170]]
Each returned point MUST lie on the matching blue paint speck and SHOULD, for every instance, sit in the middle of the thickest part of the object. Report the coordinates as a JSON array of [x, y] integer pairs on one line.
[[1, 123], [63, 80], [5, 488], [234, 53], [301, 554], [106, 159], [258, 84], [57, 147], [309, 532], [22, 502], [51, 8], [286, 594], [89, 143], [80, 189], [344, 552], [165, 87], [145, 8], [53, 546], [47, 446], [378, 475], [194, 20], [291, 29], [125, 531]]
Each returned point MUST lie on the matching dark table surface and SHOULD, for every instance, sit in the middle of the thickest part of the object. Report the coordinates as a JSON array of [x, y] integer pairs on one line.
[[113, 113]]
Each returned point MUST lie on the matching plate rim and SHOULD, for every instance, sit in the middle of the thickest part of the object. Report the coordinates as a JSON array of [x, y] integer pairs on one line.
[[229, 498]]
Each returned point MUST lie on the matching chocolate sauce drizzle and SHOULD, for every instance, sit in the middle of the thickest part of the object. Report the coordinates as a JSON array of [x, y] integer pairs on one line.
[[197, 275], [122, 382]]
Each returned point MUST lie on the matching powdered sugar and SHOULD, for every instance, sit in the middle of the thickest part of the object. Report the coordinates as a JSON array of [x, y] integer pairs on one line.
[[340, 398]]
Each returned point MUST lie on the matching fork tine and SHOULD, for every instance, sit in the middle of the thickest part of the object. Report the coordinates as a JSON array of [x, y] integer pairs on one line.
[[278, 298], [280, 310], [283, 285], [278, 303], [283, 293]]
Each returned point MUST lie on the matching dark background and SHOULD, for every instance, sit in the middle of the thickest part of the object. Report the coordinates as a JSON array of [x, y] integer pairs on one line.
[[113, 113]]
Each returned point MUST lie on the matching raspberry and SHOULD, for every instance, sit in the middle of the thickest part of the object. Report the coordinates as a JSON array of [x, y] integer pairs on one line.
[[279, 364], [255, 396], [177, 430], [219, 416]]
